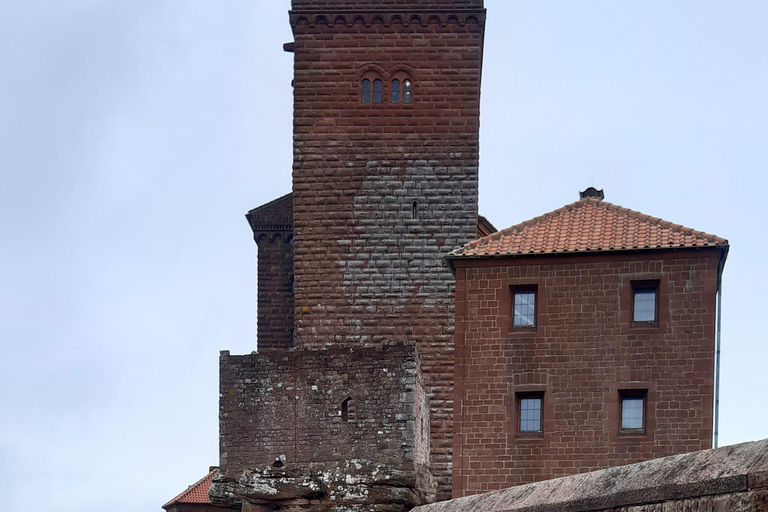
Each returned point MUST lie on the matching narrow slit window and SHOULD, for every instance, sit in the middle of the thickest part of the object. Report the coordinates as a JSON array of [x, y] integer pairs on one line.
[[415, 210], [377, 91], [395, 91], [345, 413], [406, 91], [366, 91]]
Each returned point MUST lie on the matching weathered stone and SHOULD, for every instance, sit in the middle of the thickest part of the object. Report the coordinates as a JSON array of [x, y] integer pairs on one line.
[[334, 486]]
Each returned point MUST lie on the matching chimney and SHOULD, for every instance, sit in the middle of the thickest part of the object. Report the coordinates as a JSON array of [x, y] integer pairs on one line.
[[592, 192]]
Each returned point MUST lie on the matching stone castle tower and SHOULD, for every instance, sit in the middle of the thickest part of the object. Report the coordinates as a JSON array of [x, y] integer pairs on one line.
[[386, 118], [385, 184]]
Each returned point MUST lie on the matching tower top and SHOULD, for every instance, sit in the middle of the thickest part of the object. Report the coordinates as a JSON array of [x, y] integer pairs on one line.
[[384, 5]]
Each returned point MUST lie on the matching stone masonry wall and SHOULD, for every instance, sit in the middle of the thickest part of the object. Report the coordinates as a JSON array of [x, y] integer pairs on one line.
[[288, 405], [272, 226], [583, 351], [275, 300], [728, 479], [367, 268]]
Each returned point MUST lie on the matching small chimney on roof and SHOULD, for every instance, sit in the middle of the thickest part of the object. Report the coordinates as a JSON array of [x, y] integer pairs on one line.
[[592, 192]]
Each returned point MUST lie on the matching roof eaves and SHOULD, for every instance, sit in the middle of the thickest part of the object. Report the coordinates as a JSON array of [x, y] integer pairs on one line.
[[454, 255]]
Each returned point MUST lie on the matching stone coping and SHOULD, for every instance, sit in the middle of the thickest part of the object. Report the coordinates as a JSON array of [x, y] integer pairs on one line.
[[725, 470]]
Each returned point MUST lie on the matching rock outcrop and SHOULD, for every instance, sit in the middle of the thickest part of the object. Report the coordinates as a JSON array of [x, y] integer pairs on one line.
[[346, 486]]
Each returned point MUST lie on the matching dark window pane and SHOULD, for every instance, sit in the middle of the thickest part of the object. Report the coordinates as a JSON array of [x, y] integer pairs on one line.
[[530, 415], [524, 309], [366, 91], [377, 91], [632, 409], [406, 91], [395, 91], [645, 305]]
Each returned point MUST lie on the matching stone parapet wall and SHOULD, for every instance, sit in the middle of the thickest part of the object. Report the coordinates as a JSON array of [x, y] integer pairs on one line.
[[729, 479]]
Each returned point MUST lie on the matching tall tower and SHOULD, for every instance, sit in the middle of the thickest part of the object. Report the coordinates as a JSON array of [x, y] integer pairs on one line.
[[385, 178]]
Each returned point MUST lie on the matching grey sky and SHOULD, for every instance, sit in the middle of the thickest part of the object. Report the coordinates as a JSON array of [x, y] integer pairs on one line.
[[134, 135]]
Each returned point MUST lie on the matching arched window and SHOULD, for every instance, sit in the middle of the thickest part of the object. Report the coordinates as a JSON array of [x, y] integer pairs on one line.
[[366, 91], [407, 90], [395, 91], [377, 91]]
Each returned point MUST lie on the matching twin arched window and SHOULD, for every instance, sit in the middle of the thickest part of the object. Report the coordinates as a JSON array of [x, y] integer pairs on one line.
[[373, 90], [377, 90], [403, 94]]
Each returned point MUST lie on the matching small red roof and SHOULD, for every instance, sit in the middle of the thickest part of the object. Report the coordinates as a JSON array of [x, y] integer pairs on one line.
[[588, 225], [196, 493]]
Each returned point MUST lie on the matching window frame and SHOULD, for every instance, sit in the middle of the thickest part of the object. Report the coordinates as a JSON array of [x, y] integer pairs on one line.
[[366, 93], [529, 395], [640, 287], [377, 83], [395, 92], [525, 289], [633, 394]]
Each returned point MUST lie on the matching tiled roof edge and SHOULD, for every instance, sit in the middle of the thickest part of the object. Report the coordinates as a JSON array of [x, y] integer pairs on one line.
[[190, 489]]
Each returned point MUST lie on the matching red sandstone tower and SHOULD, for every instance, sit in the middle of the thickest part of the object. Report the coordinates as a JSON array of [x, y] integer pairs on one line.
[[386, 118], [385, 173]]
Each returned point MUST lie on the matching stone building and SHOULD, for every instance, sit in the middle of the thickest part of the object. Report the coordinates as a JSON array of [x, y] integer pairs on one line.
[[383, 380], [585, 338]]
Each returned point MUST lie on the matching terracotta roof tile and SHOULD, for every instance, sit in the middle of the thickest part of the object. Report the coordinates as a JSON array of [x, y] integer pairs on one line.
[[587, 225], [196, 493]]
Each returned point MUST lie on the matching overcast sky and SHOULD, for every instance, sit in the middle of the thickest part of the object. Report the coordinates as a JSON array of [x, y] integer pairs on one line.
[[135, 134]]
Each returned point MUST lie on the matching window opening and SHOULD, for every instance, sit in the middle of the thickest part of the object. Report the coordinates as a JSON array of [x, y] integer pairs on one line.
[[524, 308], [345, 409], [366, 91], [415, 210], [633, 410], [530, 407], [644, 302], [406, 91], [377, 91], [395, 91]]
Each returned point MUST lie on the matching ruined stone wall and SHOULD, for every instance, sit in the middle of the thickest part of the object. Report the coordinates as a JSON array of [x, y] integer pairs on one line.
[[289, 405], [383, 191], [583, 352], [728, 479]]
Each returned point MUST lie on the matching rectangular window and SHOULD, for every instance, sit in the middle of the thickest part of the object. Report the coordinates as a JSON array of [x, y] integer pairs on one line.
[[632, 417], [645, 302], [530, 409], [524, 307]]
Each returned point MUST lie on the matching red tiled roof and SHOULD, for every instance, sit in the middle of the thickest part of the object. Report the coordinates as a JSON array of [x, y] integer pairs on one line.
[[587, 225], [196, 493]]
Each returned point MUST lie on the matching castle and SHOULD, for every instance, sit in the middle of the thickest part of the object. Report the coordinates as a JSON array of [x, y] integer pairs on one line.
[[407, 350]]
